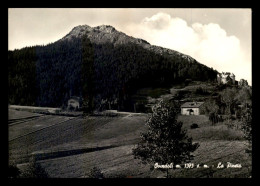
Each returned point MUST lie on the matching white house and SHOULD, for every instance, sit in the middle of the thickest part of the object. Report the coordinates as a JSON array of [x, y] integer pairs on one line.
[[74, 103], [191, 108]]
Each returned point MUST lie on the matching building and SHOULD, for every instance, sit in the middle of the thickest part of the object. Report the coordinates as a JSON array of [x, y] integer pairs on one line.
[[243, 83], [74, 103], [191, 108], [226, 78]]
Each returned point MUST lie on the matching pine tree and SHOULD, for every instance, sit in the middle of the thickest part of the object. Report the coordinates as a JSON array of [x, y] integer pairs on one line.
[[87, 75], [165, 142]]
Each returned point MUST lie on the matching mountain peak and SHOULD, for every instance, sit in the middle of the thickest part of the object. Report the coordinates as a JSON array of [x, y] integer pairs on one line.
[[103, 34], [106, 28], [81, 27], [108, 34]]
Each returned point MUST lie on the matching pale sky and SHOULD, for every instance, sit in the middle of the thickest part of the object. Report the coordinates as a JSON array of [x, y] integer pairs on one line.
[[218, 38]]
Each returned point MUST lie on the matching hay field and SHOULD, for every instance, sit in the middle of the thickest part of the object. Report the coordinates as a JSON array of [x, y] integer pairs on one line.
[[69, 147]]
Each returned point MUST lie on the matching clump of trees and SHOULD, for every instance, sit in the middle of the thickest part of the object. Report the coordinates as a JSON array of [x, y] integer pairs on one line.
[[211, 108], [229, 104], [215, 118], [228, 98], [247, 127], [165, 141]]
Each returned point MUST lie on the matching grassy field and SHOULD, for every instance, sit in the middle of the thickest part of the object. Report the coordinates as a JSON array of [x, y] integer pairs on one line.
[[69, 147]]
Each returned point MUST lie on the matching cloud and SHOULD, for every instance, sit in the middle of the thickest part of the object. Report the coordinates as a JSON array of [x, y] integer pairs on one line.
[[207, 43], [158, 21]]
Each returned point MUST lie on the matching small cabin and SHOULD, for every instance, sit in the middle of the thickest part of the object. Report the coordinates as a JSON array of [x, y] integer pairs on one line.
[[74, 103], [191, 108]]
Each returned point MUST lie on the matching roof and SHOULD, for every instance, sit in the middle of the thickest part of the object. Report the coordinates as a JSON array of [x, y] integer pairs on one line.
[[192, 104], [75, 98]]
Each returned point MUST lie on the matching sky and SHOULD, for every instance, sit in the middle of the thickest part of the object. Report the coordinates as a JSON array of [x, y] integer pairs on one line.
[[218, 38]]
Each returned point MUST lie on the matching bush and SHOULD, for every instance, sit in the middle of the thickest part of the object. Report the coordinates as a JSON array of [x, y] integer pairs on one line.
[[34, 170], [13, 171], [96, 173], [194, 126], [201, 91], [187, 82], [70, 108]]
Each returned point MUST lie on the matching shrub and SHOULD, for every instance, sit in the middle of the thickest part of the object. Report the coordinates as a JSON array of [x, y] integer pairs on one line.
[[187, 82], [201, 91], [194, 126], [13, 171], [34, 170], [96, 173]]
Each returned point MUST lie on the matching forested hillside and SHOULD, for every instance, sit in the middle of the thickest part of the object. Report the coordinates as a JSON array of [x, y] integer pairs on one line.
[[49, 75]]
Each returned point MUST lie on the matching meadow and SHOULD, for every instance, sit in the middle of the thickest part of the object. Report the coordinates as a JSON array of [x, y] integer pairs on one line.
[[69, 147]]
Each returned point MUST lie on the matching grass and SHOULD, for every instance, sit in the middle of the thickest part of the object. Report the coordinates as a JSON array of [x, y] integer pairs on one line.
[[206, 131], [77, 133], [119, 162], [152, 92], [73, 148], [34, 125], [15, 115], [201, 120], [214, 151], [218, 132]]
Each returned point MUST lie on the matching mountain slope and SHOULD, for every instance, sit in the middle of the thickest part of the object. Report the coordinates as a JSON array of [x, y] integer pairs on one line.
[[108, 34], [98, 62]]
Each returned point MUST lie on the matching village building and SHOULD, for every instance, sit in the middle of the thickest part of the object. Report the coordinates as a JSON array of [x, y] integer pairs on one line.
[[243, 83], [74, 103], [191, 108], [226, 78]]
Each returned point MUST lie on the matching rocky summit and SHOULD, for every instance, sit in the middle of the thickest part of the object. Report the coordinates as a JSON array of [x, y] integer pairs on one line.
[[108, 34], [102, 34]]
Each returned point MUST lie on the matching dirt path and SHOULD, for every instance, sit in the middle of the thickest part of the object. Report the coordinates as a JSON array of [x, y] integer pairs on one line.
[[125, 114]]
